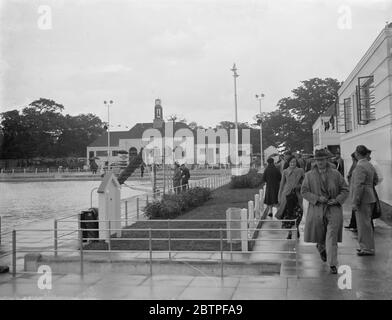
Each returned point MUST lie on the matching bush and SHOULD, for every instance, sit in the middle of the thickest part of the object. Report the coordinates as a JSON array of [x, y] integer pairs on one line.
[[173, 205], [252, 179]]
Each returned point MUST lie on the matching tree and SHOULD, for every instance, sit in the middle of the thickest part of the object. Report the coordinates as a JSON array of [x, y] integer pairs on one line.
[[309, 101], [41, 130]]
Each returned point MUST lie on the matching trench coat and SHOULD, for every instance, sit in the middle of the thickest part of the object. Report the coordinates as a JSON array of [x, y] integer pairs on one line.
[[271, 177], [311, 190], [290, 180]]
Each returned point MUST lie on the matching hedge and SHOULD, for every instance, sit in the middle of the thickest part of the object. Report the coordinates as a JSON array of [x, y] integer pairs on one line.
[[252, 179], [173, 205]]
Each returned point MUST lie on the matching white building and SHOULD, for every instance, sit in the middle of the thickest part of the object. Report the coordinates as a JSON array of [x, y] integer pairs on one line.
[[365, 109], [213, 147], [324, 130]]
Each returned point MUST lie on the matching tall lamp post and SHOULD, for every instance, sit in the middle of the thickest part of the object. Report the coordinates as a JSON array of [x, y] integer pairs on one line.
[[260, 97], [108, 104], [235, 76]]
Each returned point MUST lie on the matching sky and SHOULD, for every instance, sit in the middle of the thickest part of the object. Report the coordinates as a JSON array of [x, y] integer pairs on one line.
[[80, 53]]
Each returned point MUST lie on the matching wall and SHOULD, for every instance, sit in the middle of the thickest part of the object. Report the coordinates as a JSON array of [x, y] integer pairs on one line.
[[376, 135]]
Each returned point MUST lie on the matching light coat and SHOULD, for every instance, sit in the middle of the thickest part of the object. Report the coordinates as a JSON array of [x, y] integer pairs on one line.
[[363, 179], [312, 188]]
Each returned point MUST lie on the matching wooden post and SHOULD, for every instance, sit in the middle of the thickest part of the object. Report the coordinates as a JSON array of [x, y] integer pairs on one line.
[[251, 214], [257, 206]]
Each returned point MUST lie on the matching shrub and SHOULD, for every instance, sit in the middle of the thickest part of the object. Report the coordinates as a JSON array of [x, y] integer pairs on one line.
[[252, 179], [173, 205]]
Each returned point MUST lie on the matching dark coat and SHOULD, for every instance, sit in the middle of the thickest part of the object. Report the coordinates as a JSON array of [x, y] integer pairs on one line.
[[271, 177]]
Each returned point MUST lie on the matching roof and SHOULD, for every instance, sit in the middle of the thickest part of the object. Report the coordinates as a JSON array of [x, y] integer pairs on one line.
[[115, 137], [106, 180], [331, 111], [136, 132]]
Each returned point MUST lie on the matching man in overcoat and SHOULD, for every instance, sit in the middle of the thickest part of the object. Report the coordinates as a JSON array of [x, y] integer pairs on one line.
[[363, 199], [326, 190]]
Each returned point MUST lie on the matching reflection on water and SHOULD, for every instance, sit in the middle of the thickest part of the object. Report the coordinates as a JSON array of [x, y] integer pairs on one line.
[[23, 202]]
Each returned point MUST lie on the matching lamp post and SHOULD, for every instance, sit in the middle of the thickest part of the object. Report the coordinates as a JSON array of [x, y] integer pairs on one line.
[[235, 76], [260, 97], [108, 104]]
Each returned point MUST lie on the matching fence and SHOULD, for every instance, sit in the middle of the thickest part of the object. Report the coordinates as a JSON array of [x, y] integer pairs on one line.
[[68, 240]]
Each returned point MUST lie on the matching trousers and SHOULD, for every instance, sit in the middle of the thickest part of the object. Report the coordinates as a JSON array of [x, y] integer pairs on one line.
[[364, 227]]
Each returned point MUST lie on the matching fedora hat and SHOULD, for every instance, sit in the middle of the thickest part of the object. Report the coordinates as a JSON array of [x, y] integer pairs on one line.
[[362, 150], [322, 154]]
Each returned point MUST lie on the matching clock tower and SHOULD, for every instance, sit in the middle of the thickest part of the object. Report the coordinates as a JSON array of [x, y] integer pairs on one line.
[[158, 114]]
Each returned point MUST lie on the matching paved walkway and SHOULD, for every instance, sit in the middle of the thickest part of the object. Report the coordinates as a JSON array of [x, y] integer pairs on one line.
[[371, 277]]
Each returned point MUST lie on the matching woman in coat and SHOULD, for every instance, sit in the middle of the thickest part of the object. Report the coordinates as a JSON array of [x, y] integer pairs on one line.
[[326, 190], [271, 177], [290, 185]]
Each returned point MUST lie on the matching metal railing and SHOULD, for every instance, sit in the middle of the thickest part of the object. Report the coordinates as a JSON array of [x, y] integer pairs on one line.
[[21, 245]]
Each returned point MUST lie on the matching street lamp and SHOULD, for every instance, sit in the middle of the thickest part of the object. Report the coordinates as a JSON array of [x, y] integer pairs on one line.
[[235, 76], [108, 104], [260, 97]]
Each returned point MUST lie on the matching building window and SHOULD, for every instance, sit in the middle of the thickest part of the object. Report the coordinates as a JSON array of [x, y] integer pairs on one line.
[[316, 137], [348, 115], [102, 153], [217, 151], [365, 100], [115, 153]]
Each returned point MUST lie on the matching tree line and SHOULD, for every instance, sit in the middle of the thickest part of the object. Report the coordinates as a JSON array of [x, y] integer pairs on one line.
[[42, 130]]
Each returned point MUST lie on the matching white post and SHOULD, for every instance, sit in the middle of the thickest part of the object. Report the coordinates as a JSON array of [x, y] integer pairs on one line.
[[257, 206], [261, 193], [244, 230], [251, 213]]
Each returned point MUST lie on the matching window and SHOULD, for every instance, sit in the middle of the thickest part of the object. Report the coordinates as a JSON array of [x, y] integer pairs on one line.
[[365, 100], [102, 153], [316, 137], [347, 115], [217, 151], [115, 153]]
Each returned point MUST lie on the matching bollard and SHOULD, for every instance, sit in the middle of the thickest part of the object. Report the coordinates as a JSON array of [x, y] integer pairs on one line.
[[221, 251], [137, 208], [244, 230], [168, 228], [14, 253], [81, 250], [150, 248], [55, 238], [126, 213]]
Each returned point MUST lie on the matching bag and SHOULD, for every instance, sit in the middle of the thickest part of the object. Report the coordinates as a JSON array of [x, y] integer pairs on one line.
[[377, 207]]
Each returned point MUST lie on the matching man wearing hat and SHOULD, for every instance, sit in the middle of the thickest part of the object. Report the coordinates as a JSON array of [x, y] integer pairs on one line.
[[326, 190], [363, 199]]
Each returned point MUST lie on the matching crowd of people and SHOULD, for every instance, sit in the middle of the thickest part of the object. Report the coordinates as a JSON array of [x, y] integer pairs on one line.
[[317, 184]]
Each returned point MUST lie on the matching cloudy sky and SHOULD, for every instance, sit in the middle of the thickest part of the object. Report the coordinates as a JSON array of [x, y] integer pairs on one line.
[[178, 50]]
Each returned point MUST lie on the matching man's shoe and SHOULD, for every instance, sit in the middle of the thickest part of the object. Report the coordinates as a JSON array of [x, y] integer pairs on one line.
[[333, 270], [323, 255], [364, 253]]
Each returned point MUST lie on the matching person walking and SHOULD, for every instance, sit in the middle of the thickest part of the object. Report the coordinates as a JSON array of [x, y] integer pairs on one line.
[[177, 178], [301, 161], [271, 177], [290, 199], [353, 222], [363, 199], [185, 175], [142, 170], [326, 190], [339, 163]]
